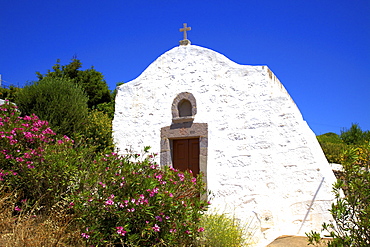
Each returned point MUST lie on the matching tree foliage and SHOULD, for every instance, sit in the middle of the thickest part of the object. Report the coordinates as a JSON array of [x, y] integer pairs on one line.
[[91, 81], [98, 131], [59, 101], [355, 135], [9, 93], [351, 210]]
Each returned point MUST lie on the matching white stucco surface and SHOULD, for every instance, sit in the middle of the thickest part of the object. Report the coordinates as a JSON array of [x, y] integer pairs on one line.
[[263, 159]]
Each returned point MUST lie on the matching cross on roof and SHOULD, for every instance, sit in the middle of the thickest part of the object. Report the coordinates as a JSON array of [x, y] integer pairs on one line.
[[184, 29], [185, 41]]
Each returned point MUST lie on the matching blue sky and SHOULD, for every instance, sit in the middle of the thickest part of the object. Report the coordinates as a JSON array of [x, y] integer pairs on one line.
[[320, 50]]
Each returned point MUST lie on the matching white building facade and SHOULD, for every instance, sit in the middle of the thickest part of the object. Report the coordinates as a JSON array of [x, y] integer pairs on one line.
[[260, 158]]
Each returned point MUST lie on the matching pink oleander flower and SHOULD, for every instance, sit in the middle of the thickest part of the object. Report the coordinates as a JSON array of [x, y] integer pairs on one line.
[[156, 228], [16, 208], [201, 229], [109, 202], [181, 176], [159, 218], [121, 231]]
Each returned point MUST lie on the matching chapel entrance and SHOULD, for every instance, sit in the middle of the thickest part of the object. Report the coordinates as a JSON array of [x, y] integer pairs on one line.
[[185, 155]]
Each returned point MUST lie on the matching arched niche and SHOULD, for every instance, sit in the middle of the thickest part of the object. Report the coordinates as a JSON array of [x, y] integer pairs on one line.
[[184, 108]]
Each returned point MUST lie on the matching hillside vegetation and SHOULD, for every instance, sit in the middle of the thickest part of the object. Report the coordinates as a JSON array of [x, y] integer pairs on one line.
[[334, 145]]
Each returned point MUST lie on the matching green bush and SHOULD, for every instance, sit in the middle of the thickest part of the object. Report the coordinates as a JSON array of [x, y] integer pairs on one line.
[[91, 81], [97, 132], [355, 135], [221, 230], [351, 209], [57, 100], [332, 146]]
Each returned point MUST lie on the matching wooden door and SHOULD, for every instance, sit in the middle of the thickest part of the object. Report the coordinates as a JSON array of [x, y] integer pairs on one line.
[[186, 155]]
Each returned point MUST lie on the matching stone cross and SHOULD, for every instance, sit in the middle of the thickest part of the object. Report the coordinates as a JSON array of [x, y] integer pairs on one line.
[[185, 41]]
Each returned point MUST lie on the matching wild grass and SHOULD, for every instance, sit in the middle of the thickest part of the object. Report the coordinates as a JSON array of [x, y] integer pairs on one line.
[[222, 230], [34, 227]]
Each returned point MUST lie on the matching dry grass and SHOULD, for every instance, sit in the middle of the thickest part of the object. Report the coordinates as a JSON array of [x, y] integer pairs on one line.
[[36, 228]]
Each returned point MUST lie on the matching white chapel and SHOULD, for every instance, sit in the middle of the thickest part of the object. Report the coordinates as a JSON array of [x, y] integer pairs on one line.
[[239, 126]]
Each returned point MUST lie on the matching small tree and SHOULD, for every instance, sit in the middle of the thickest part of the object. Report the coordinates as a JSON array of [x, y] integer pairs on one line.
[[59, 101], [91, 81], [351, 210], [9, 93], [354, 135]]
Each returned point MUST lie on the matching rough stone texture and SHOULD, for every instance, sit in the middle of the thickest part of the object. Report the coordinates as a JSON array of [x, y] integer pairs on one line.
[[263, 160]]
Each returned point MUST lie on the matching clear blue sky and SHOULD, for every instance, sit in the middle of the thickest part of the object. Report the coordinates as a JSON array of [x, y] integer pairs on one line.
[[319, 49]]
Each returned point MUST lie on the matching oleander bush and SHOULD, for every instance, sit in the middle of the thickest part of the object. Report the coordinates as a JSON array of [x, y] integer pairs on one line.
[[131, 201], [111, 199], [351, 209]]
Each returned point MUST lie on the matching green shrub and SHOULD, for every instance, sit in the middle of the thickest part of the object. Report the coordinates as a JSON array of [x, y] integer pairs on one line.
[[97, 132], [332, 146], [355, 135], [220, 230], [91, 81], [351, 210], [57, 100]]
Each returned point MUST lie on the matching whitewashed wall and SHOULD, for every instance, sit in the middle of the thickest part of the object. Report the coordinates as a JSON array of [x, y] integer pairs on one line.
[[263, 159]]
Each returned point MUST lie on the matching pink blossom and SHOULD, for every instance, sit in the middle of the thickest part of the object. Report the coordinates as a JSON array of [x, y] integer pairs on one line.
[[19, 159], [201, 229], [85, 235], [16, 208], [121, 231], [156, 228], [109, 202], [181, 176], [159, 218]]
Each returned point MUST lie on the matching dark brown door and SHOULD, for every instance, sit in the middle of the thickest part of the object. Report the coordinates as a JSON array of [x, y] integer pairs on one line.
[[186, 155]]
